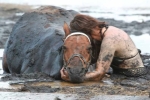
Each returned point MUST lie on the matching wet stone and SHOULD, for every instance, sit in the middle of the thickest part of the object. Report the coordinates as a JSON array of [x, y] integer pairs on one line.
[[128, 83], [142, 81], [133, 82], [143, 87]]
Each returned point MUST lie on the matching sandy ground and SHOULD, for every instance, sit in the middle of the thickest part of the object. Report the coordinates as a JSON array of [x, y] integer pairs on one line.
[[41, 83], [47, 96]]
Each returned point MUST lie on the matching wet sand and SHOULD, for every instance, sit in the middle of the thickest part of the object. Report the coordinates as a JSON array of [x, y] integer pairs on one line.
[[48, 96], [42, 83], [12, 86]]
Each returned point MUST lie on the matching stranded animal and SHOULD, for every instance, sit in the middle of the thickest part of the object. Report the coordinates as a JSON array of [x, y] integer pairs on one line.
[[35, 42], [36, 45]]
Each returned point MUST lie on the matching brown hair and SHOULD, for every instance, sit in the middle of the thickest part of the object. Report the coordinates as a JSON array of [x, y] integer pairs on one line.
[[85, 23]]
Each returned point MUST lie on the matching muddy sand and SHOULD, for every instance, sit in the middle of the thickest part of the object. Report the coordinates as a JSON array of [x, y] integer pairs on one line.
[[41, 83]]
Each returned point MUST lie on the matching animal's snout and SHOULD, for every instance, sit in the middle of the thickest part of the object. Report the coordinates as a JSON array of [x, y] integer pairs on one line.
[[77, 74], [77, 70]]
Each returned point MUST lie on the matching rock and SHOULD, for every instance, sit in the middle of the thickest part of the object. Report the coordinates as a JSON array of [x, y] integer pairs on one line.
[[130, 83]]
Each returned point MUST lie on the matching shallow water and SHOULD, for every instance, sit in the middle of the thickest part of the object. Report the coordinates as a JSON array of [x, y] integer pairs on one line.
[[142, 42], [18, 83]]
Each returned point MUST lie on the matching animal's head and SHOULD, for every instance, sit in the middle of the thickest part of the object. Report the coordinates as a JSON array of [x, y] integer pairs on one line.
[[77, 54]]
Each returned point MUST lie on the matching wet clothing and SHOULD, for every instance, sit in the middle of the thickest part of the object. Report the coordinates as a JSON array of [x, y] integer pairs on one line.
[[138, 71], [133, 72], [117, 61]]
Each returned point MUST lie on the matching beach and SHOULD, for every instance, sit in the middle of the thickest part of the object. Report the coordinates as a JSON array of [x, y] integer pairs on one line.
[[131, 88]]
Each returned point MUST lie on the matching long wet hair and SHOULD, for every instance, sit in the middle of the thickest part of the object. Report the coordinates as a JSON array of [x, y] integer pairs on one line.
[[85, 24]]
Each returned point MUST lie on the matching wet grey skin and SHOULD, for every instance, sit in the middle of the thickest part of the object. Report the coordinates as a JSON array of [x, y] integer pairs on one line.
[[35, 42]]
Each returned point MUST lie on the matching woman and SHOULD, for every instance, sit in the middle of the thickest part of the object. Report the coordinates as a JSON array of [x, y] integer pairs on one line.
[[117, 49]]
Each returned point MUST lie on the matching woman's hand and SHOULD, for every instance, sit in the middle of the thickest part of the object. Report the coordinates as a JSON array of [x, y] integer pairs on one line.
[[94, 76], [64, 74]]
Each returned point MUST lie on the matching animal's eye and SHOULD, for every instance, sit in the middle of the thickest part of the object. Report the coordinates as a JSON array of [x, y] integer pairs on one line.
[[89, 48], [64, 47]]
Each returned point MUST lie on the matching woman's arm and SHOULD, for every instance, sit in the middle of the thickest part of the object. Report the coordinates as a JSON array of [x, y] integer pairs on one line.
[[104, 60]]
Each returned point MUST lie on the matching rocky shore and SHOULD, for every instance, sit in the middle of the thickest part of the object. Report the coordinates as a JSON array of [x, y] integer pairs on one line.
[[39, 83]]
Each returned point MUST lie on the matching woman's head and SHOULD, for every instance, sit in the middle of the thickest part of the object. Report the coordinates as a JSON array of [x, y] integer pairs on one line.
[[85, 23]]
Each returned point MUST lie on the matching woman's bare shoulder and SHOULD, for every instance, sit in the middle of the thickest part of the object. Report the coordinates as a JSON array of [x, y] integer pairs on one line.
[[113, 31]]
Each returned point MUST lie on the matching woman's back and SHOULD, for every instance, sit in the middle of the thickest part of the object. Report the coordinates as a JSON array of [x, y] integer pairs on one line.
[[125, 50]]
